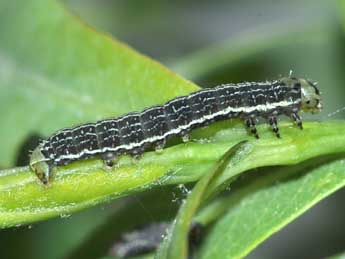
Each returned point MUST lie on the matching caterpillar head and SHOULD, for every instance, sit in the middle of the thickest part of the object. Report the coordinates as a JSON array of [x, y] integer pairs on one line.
[[311, 99], [310, 94]]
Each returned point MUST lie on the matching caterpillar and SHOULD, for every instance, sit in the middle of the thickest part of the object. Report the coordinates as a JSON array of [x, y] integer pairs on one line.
[[135, 132]]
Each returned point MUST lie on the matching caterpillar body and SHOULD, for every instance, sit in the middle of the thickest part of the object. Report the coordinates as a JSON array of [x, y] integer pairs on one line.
[[135, 132]]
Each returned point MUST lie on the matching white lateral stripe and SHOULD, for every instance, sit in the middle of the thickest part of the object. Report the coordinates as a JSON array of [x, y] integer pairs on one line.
[[228, 110]]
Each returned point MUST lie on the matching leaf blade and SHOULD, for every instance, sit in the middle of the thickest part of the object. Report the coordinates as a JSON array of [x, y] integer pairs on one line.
[[56, 72], [266, 204], [175, 244]]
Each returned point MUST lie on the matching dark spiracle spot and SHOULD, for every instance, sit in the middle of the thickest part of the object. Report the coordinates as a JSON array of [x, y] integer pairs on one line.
[[26, 147]]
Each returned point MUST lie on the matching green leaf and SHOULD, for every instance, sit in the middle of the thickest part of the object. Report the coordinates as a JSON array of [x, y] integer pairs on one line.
[[340, 10], [56, 72], [265, 202], [136, 257], [125, 218], [339, 256], [24, 200], [175, 244], [245, 46]]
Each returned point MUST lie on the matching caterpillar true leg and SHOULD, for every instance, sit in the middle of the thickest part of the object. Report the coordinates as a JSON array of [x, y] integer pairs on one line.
[[297, 119], [250, 123], [272, 120]]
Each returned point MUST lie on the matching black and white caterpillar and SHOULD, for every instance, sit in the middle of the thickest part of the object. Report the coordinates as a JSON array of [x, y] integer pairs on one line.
[[135, 132]]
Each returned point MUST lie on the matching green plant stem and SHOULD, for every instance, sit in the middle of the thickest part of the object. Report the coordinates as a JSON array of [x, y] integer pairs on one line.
[[23, 199]]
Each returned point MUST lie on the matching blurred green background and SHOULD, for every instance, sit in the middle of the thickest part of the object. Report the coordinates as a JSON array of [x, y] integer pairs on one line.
[[213, 42]]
